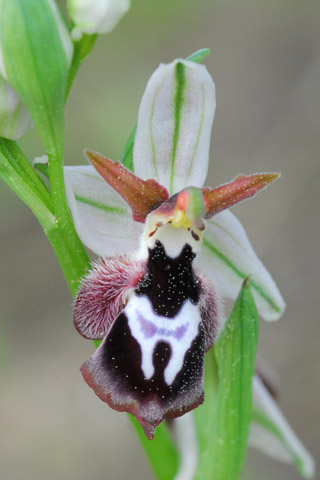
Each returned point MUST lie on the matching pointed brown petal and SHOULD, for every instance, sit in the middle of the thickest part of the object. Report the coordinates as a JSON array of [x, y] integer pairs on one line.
[[239, 189], [142, 196]]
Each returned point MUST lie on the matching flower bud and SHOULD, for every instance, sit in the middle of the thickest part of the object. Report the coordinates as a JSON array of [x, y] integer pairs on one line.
[[15, 119], [95, 16]]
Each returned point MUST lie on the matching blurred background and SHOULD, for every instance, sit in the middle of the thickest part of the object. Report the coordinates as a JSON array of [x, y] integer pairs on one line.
[[265, 62]]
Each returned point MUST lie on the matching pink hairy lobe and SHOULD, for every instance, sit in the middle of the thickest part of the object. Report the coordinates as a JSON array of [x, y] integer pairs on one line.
[[104, 294]]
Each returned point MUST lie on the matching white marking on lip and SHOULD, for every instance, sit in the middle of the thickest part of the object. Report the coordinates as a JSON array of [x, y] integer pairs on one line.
[[149, 329], [173, 240]]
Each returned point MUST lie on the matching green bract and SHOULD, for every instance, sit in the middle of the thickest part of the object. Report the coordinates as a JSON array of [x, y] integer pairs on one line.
[[35, 55], [228, 404]]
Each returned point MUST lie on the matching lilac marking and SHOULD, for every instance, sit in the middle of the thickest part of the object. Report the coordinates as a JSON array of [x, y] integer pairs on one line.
[[180, 331], [149, 329]]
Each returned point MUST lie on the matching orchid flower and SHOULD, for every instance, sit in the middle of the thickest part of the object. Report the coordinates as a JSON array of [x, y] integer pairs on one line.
[[145, 297], [170, 251]]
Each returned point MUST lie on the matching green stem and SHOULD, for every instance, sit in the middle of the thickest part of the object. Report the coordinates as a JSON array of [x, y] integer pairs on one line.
[[82, 48], [70, 251], [68, 247], [74, 262]]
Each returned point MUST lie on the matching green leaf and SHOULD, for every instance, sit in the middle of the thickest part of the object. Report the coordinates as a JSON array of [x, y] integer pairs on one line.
[[42, 168], [36, 50], [161, 451], [199, 55], [17, 172], [126, 157], [223, 427]]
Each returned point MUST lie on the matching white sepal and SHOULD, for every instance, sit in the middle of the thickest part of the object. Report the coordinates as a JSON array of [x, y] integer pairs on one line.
[[96, 16], [15, 119], [174, 126], [102, 219], [228, 257], [283, 445]]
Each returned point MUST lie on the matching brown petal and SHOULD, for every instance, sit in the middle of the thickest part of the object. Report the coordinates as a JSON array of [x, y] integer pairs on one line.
[[241, 188], [142, 196]]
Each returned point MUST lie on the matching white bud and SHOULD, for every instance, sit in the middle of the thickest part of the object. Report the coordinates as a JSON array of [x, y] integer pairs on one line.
[[95, 16], [15, 119]]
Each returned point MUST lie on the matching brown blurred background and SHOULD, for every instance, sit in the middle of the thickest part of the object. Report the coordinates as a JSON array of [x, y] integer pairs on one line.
[[265, 62]]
